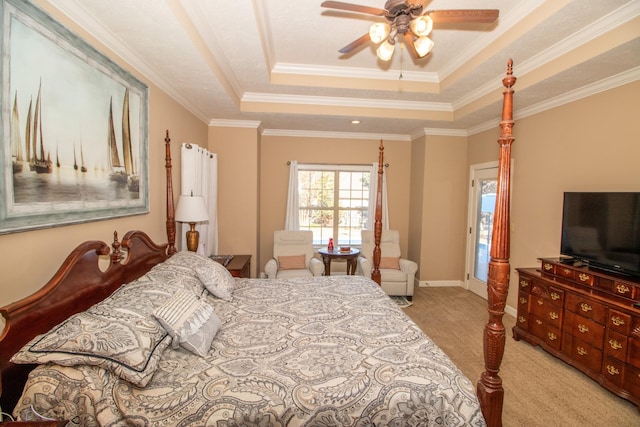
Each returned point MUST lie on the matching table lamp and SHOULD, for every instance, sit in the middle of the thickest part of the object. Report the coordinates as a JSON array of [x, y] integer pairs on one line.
[[192, 209]]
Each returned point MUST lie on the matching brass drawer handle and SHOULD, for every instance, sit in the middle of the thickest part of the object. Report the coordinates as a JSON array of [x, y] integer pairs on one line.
[[615, 344], [566, 271], [612, 370], [553, 315], [585, 307], [584, 277], [555, 296], [548, 266], [522, 319], [523, 300], [540, 302], [582, 351], [617, 321], [582, 328], [552, 336], [622, 289], [524, 283], [539, 322]]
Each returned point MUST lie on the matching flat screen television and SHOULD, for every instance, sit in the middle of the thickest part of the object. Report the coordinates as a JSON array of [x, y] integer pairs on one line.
[[602, 230]]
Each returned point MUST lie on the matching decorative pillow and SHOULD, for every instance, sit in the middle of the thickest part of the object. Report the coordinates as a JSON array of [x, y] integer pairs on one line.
[[123, 338], [190, 321], [292, 262], [390, 262], [217, 279]]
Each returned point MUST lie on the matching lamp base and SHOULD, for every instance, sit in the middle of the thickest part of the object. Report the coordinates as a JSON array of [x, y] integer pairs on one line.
[[192, 238]]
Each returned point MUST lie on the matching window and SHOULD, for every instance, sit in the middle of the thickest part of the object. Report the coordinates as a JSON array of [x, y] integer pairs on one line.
[[333, 202]]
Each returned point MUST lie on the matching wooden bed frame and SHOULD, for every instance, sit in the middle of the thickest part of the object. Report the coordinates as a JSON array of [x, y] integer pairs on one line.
[[80, 283]]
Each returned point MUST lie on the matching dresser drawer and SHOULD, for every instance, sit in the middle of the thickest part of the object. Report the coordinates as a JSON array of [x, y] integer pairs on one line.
[[615, 345], [566, 272], [586, 307], [624, 289], [587, 355], [613, 370], [633, 352], [525, 283], [546, 311], [584, 329], [619, 322]]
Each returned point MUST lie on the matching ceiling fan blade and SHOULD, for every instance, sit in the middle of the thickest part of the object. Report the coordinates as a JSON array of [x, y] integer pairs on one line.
[[487, 16], [353, 7], [408, 42], [355, 44]]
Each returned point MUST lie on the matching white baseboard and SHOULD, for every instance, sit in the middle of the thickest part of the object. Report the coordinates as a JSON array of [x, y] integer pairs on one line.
[[439, 283]]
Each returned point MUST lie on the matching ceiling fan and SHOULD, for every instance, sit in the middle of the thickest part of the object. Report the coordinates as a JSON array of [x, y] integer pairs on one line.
[[408, 20]]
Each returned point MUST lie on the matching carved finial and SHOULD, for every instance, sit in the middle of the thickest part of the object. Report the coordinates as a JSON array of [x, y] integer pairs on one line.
[[116, 255], [509, 80]]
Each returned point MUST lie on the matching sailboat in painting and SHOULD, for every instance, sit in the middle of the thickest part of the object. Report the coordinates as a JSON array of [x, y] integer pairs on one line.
[[40, 163], [16, 142], [133, 181], [117, 172], [123, 173]]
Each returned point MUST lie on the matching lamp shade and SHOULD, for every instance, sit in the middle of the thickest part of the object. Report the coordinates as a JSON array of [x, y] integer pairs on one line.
[[385, 50], [423, 46], [422, 25], [378, 32], [191, 209]]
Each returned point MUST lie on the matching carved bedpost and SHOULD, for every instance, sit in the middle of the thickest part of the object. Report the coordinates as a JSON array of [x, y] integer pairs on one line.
[[171, 222], [490, 390], [377, 228]]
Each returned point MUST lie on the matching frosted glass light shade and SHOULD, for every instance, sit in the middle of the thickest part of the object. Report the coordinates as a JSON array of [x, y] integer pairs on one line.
[[422, 25], [191, 209], [385, 51], [423, 46], [379, 31]]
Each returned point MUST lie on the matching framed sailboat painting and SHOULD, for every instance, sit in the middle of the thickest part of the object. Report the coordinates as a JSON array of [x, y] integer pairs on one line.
[[74, 127]]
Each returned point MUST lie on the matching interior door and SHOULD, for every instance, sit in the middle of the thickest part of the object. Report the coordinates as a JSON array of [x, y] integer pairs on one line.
[[482, 201]]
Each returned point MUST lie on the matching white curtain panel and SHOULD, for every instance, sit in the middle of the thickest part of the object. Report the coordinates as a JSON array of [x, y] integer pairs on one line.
[[292, 219], [200, 175], [373, 190]]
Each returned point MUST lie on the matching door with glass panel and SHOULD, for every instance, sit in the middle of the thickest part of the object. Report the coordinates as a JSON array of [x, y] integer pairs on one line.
[[482, 201]]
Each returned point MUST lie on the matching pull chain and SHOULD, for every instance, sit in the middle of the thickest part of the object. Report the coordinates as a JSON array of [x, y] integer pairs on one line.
[[401, 56]]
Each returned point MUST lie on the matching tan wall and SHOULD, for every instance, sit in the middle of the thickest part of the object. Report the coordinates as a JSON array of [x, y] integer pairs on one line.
[[274, 178], [588, 145], [238, 190], [30, 258], [444, 209]]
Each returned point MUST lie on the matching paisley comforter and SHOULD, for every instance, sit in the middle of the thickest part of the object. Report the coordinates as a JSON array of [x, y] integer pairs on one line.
[[330, 351]]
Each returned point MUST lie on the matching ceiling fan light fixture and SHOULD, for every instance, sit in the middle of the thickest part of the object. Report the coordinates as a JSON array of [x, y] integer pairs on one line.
[[379, 31], [423, 45], [422, 25], [385, 50]]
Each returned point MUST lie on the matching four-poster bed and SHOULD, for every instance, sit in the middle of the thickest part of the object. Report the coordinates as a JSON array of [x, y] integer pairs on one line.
[[358, 359]]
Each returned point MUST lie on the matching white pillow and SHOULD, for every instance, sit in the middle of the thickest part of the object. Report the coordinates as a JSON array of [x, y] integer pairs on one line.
[[217, 279], [190, 321]]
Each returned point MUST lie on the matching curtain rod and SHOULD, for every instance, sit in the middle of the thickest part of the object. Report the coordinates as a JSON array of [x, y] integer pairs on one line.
[[188, 146], [341, 164]]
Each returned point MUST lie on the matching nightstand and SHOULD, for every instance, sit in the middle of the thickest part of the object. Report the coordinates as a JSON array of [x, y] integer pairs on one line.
[[238, 266]]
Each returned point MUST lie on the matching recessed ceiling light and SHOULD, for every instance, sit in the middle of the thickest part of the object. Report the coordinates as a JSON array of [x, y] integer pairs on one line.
[[355, 122]]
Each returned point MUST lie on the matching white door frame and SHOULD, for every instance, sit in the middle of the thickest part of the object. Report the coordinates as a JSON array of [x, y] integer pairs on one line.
[[470, 283]]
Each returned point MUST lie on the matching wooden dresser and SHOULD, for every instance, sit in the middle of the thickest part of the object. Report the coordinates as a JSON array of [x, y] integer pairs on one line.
[[585, 317]]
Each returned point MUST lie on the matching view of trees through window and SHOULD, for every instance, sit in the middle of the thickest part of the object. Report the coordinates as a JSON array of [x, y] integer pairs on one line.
[[334, 204]]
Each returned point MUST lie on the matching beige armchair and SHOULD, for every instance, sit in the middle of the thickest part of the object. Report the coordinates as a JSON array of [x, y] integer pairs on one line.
[[397, 275], [293, 255]]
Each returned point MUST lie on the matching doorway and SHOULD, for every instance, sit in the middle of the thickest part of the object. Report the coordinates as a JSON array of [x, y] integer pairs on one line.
[[482, 201]]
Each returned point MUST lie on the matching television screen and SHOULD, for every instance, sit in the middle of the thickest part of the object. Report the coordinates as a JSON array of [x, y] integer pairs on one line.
[[602, 230]]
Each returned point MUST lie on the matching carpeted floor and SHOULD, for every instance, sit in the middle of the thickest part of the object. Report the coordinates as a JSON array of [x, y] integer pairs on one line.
[[540, 390]]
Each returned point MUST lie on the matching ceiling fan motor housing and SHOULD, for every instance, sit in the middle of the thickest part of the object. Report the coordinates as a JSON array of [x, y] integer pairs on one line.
[[400, 14]]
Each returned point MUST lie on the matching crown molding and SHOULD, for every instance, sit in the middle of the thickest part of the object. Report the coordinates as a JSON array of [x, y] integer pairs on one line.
[[354, 73], [252, 124], [334, 135]]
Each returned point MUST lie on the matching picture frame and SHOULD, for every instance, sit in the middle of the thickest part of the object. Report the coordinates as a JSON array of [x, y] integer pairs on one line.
[[74, 127]]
